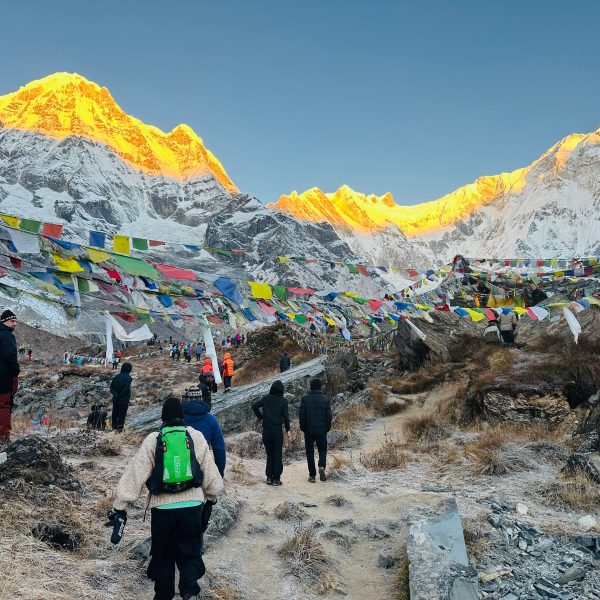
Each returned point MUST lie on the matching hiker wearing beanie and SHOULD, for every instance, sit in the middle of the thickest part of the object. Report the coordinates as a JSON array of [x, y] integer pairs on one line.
[[177, 467], [274, 416], [9, 371], [315, 422], [120, 388]]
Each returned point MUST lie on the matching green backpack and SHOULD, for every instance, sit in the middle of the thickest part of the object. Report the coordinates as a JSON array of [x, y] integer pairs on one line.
[[176, 468]]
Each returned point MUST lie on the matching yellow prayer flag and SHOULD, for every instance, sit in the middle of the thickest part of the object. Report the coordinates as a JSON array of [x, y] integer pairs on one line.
[[260, 290], [475, 316], [283, 259], [97, 256], [329, 320], [520, 310], [121, 244], [350, 294], [67, 265], [11, 221]]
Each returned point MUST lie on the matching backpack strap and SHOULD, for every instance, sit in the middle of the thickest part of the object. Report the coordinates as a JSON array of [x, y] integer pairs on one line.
[[196, 470]]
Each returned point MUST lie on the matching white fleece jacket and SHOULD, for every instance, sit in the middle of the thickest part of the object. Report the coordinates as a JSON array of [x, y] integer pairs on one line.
[[133, 481]]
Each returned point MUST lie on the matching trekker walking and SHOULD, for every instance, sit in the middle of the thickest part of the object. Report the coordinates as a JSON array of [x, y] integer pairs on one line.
[[196, 414], [274, 415], [9, 371], [284, 362], [315, 422], [29, 353], [491, 333], [176, 500], [120, 388], [508, 326], [198, 352], [227, 368]]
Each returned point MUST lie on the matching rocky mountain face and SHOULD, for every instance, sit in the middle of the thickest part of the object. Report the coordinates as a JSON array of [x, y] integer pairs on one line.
[[548, 209]]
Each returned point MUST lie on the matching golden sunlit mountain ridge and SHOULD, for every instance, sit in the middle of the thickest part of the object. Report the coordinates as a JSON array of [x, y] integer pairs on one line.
[[66, 104], [364, 214]]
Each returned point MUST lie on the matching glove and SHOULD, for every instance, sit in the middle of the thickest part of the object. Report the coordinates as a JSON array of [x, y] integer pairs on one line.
[[118, 519]]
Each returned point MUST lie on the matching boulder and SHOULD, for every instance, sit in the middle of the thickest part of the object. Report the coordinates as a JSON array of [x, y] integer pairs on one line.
[[523, 404], [38, 463], [438, 563], [586, 462]]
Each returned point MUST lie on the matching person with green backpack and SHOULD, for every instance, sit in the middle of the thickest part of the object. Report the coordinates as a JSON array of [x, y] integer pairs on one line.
[[177, 467]]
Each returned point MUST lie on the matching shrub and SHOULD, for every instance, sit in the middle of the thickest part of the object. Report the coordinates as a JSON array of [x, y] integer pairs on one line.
[[425, 428], [390, 455], [575, 491], [304, 555]]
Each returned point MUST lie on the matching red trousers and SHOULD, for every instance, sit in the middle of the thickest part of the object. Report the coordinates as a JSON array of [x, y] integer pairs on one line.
[[6, 403]]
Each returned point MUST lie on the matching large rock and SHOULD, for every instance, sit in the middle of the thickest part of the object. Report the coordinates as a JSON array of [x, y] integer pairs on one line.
[[38, 463], [586, 462], [523, 404], [233, 410], [438, 563]]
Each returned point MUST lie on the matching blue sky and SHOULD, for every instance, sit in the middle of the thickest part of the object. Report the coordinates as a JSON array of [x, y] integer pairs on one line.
[[416, 98]]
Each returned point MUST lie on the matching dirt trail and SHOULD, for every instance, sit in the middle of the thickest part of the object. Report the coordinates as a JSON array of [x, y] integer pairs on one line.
[[377, 508]]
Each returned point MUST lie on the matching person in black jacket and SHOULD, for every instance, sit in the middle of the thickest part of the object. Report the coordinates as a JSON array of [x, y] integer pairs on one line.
[[284, 362], [315, 422], [120, 388], [97, 418], [274, 415], [9, 371]]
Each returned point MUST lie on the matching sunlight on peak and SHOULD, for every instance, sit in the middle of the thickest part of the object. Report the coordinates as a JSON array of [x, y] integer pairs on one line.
[[67, 104]]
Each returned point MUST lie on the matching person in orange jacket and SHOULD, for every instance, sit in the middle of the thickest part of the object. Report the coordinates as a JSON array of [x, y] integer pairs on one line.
[[207, 366], [227, 370]]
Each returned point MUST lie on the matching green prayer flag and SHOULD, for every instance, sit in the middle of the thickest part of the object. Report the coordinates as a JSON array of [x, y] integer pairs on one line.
[[135, 266], [280, 291], [300, 319], [83, 285], [139, 243], [359, 300], [352, 268], [223, 252], [31, 225]]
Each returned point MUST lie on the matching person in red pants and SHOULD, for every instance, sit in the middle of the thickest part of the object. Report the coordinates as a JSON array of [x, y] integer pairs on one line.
[[9, 371]]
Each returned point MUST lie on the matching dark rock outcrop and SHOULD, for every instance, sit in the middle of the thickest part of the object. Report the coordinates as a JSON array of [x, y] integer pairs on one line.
[[38, 463]]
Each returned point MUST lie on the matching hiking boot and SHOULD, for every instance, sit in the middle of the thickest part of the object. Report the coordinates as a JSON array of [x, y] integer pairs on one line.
[[322, 476], [311, 479], [277, 482], [269, 481]]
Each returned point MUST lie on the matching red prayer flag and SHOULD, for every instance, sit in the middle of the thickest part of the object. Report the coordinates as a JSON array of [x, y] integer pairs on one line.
[[155, 243], [375, 304], [16, 262], [52, 230], [362, 269], [112, 273], [181, 302], [175, 273]]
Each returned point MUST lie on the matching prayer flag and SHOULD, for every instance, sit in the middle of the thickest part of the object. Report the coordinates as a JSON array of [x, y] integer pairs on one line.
[[260, 290], [121, 244], [139, 243], [52, 230], [97, 239]]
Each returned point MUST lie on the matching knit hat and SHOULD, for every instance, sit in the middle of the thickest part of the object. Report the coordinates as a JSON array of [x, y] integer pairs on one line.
[[7, 315], [315, 384], [276, 388], [172, 409]]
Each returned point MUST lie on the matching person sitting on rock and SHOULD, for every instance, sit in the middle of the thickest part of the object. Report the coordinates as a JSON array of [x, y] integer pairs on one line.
[[97, 417]]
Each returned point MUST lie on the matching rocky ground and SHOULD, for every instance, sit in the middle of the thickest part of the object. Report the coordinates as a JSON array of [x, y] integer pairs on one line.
[[491, 428]]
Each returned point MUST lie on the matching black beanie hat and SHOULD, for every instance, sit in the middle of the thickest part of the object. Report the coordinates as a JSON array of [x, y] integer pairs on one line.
[[7, 315], [172, 409], [126, 367], [276, 388], [315, 384]]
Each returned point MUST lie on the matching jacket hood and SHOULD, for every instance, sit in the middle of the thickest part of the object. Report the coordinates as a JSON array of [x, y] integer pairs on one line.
[[226, 355], [126, 367], [276, 388], [207, 363], [195, 408]]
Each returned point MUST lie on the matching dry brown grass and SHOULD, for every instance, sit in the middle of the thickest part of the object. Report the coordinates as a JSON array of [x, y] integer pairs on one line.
[[402, 578], [351, 418], [574, 491], [422, 380], [305, 556], [392, 454], [336, 463], [499, 450], [237, 472], [425, 428]]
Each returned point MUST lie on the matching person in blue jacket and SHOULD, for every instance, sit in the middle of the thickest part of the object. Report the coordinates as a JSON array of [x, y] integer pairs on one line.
[[196, 414]]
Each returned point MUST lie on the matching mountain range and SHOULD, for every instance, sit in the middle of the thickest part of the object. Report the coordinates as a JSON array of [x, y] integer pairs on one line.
[[69, 154]]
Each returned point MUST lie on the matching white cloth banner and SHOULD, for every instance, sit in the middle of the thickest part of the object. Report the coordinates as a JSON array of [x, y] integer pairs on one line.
[[539, 312], [138, 335], [24, 242], [210, 349], [109, 344], [574, 325], [416, 329]]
